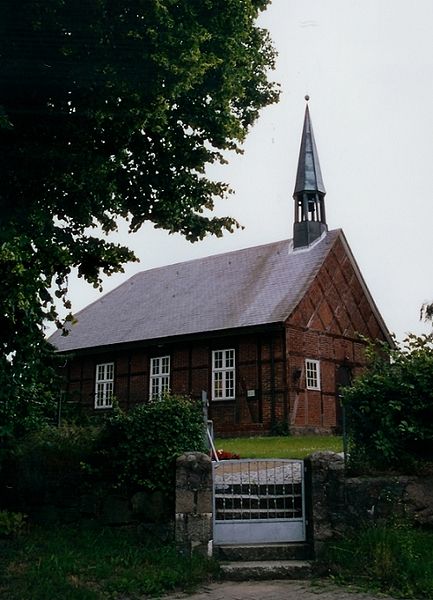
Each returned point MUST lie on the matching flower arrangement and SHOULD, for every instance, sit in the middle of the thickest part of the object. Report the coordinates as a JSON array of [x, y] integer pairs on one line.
[[226, 455]]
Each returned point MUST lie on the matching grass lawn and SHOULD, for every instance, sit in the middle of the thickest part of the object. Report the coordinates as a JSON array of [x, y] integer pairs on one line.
[[280, 446], [93, 564]]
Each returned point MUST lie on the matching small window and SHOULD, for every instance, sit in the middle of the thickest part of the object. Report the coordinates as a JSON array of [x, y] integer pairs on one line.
[[159, 376], [223, 374], [312, 374], [104, 385]]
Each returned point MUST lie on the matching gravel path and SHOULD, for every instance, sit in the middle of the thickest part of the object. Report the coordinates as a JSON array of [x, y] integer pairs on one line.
[[274, 590], [252, 472]]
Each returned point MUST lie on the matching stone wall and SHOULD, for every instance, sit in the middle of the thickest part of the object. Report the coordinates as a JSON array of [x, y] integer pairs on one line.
[[54, 492], [150, 512], [338, 504]]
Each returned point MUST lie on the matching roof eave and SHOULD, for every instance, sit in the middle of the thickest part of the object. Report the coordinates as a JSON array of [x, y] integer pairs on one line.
[[389, 338], [175, 339]]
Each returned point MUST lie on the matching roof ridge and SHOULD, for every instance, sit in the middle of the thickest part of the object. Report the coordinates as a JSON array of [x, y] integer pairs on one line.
[[191, 260]]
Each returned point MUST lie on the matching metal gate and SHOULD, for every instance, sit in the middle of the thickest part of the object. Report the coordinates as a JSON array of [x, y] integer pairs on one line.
[[258, 501]]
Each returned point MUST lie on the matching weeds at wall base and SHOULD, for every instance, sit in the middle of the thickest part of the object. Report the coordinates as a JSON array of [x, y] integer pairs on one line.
[[389, 558]]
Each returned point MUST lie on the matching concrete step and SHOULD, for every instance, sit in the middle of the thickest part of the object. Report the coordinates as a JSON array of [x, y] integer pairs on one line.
[[259, 552], [266, 569]]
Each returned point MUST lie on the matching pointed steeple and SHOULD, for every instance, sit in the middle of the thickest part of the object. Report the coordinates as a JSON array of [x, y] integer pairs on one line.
[[309, 194]]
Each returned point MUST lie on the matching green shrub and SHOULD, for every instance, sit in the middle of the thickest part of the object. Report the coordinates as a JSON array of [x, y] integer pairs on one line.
[[47, 463], [140, 447], [128, 451], [11, 523], [390, 407], [280, 428]]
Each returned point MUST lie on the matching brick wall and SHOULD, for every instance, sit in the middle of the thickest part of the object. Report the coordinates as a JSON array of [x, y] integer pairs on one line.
[[261, 394], [325, 326]]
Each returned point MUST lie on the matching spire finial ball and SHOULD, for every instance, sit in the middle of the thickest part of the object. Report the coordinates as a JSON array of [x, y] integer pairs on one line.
[[307, 97]]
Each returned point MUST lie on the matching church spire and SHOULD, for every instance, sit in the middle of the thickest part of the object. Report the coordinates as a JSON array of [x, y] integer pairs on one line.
[[309, 194]]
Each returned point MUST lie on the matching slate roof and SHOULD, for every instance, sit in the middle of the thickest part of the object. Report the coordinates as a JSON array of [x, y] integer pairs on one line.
[[254, 286]]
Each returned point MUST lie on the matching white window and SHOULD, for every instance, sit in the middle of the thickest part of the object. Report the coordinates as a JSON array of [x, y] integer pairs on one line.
[[159, 376], [104, 385], [223, 374], [312, 374]]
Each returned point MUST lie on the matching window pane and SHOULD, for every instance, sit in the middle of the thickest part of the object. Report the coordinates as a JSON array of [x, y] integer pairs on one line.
[[100, 394], [312, 374], [164, 385], [104, 385], [155, 366], [218, 388], [223, 374], [230, 384], [218, 359], [159, 376], [155, 387]]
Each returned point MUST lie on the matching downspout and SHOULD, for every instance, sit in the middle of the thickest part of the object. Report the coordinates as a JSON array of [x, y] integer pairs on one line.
[[81, 382], [271, 352], [128, 384], [285, 380]]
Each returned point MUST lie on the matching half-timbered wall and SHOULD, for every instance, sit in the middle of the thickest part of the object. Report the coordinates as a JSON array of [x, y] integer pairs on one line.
[[260, 375], [326, 326]]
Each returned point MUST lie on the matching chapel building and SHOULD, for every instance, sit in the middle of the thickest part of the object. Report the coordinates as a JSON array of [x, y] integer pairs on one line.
[[269, 333]]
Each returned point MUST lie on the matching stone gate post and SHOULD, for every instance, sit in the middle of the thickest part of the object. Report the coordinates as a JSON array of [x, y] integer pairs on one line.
[[193, 531], [326, 496]]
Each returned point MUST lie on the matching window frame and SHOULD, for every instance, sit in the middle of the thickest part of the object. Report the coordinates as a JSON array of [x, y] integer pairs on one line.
[[107, 383], [228, 374], [158, 378], [312, 374]]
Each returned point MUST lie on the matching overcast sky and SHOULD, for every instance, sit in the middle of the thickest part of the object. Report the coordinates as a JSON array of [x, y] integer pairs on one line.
[[368, 68]]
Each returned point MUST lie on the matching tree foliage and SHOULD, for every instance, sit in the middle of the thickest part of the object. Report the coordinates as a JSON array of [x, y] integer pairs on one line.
[[390, 406], [427, 312], [111, 109]]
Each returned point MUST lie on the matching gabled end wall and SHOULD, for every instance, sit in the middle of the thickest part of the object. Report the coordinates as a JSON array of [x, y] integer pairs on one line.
[[327, 325]]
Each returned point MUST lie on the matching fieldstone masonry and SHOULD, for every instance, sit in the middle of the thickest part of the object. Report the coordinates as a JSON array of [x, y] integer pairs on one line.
[[336, 504], [339, 503], [325, 497], [193, 530]]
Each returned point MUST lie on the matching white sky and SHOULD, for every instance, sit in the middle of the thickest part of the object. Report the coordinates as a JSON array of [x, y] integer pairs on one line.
[[368, 68]]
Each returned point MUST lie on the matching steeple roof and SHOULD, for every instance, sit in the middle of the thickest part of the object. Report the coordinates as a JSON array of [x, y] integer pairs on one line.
[[309, 175]]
